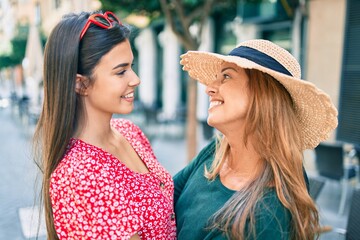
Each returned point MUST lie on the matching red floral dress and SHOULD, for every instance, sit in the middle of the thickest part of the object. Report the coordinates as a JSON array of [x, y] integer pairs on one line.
[[95, 196]]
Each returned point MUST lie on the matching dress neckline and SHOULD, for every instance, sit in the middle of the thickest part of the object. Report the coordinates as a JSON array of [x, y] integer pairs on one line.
[[78, 140]]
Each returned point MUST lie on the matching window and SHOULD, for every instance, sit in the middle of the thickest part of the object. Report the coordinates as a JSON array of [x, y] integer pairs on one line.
[[57, 4]]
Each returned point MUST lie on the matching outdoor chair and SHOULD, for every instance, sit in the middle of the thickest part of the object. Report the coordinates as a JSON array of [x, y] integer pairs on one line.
[[330, 165], [352, 231], [316, 184]]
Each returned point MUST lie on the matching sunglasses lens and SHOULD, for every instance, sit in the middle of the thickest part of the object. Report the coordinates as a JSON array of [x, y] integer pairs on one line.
[[102, 20], [112, 17]]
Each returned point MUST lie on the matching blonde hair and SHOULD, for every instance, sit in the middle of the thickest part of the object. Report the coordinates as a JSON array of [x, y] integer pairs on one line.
[[272, 123]]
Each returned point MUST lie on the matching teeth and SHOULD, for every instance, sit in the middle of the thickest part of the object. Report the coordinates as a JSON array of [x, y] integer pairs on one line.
[[215, 103], [130, 95]]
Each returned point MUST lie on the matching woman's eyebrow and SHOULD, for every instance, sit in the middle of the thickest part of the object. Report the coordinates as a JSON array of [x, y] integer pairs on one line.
[[121, 65], [224, 69]]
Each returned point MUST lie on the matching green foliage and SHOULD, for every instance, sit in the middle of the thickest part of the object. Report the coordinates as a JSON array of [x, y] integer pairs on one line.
[[6, 61], [152, 8], [18, 48]]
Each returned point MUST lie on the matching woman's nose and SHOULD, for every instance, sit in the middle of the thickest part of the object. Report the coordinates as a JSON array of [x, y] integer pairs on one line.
[[210, 89], [135, 80], [213, 86]]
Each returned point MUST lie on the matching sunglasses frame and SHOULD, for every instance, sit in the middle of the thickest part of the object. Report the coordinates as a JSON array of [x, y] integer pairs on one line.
[[108, 16]]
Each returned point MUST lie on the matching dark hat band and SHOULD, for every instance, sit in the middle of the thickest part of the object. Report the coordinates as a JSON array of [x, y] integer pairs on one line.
[[259, 58]]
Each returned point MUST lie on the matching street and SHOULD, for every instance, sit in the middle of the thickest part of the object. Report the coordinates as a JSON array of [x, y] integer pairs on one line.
[[18, 176]]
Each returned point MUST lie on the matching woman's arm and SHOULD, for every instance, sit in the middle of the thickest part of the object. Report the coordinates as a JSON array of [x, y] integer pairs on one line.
[[135, 237], [180, 179]]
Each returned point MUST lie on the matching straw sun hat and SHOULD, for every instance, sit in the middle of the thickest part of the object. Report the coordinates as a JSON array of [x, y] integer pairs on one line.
[[315, 111]]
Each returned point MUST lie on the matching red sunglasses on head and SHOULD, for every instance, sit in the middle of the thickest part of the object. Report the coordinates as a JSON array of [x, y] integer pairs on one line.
[[102, 20]]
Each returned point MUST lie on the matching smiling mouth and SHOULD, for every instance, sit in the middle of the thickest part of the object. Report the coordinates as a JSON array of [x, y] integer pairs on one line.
[[215, 103], [129, 95]]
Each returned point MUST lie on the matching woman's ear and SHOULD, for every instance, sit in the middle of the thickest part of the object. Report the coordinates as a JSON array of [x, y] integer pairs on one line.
[[81, 84]]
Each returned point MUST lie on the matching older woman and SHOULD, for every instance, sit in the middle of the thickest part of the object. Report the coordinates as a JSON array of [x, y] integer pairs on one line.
[[249, 183]]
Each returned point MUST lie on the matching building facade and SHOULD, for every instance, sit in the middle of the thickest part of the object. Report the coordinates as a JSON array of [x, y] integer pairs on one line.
[[316, 32]]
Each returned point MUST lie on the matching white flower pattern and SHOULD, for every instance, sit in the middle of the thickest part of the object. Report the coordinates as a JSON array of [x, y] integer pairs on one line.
[[95, 196]]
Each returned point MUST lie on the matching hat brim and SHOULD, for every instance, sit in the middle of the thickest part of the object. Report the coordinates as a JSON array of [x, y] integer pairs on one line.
[[316, 113]]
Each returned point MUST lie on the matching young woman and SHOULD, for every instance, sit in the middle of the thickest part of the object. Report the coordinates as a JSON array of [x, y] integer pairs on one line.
[[101, 179], [249, 183]]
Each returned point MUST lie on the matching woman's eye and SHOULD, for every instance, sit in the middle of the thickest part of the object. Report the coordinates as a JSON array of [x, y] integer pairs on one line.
[[225, 77], [121, 73]]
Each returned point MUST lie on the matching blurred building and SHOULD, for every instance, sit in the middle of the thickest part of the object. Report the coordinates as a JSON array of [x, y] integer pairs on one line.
[[6, 25], [324, 36], [53, 10], [10, 18], [38, 17]]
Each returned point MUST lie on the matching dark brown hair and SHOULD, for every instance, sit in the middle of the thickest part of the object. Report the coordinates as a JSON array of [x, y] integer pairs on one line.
[[65, 56]]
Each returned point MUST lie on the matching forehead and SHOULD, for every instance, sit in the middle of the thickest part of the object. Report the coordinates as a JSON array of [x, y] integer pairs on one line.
[[121, 53], [229, 65]]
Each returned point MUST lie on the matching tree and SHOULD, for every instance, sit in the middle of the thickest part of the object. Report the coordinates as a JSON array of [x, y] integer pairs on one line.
[[18, 46], [180, 14]]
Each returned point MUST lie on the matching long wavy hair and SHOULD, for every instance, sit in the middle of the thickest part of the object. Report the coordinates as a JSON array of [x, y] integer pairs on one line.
[[64, 57], [272, 123]]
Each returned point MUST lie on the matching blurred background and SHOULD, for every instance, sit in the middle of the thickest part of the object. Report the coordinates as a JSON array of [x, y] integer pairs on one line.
[[324, 35]]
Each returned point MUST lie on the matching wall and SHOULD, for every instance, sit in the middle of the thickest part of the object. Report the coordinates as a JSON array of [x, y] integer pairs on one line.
[[51, 15], [325, 45], [326, 27]]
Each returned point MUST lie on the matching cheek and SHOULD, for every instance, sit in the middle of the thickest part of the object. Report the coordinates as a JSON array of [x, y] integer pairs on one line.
[[241, 92], [114, 84], [237, 102]]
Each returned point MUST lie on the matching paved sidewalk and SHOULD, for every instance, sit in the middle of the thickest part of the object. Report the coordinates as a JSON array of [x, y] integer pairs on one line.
[[17, 176]]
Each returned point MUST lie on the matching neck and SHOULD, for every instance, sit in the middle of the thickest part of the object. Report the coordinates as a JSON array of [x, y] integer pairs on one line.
[[95, 130], [243, 159]]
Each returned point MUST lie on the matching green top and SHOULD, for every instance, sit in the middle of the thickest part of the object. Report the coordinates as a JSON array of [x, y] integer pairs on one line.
[[197, 199]]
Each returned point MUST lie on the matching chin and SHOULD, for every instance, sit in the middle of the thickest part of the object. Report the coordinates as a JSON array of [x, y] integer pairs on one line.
[[211, 122], [217, 123], [124, 111]]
